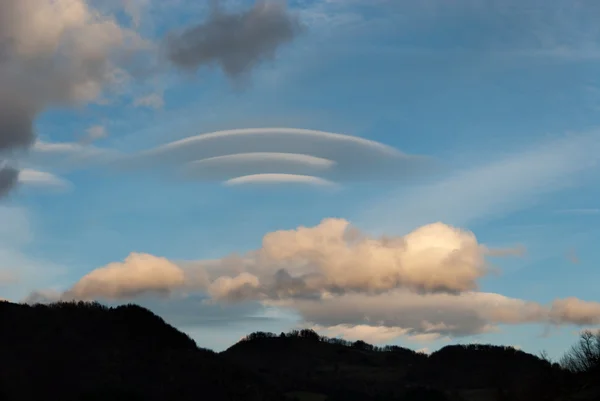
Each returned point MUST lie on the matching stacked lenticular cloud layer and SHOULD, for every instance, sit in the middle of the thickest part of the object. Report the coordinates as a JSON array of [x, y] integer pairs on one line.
[[279, 155]]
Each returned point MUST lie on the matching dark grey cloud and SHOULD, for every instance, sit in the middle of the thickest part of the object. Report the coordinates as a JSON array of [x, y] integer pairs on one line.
[[9, 177], [16, 131], [236, 42], [16, 123]]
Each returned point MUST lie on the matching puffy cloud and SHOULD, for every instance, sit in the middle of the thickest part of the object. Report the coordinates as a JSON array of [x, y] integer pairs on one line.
[[53, 53], [334, 257], [315, 262], [137, 274], [233, 287], [422, 287], [236, 42]]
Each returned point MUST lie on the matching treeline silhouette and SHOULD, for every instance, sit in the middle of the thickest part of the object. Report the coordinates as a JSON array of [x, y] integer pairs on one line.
[[88, 351], [359, 371]]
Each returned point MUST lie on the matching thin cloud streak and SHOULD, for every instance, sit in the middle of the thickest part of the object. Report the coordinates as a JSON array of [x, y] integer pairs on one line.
[[42, 179], [589, 211]]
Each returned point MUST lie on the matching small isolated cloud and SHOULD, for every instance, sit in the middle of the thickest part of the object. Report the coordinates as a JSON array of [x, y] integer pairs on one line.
[[42, 179], [94, 133], [152, 101], [236, 42]]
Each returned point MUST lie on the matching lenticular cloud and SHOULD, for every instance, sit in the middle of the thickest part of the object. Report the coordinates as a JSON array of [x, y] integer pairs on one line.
[[291, 155]]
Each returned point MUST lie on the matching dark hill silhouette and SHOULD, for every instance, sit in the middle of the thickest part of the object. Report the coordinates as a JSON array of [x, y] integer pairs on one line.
[[86, 351], [343, 370], [302, 360]]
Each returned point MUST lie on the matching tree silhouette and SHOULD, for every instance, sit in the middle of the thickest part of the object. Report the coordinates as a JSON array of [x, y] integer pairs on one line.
[[584, 356]]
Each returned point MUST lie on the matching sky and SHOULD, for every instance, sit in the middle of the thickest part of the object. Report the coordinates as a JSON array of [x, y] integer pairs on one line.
[[401, 172]]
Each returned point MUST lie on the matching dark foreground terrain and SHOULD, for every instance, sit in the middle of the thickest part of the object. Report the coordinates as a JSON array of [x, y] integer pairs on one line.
[[85, 351]]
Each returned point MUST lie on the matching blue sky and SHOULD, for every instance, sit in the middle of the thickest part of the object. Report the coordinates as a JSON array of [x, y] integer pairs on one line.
[[502, 98]]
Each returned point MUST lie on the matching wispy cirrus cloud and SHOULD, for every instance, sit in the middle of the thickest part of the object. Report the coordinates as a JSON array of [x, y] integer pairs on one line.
[[69, 155], [579, 211], [493, 188]]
